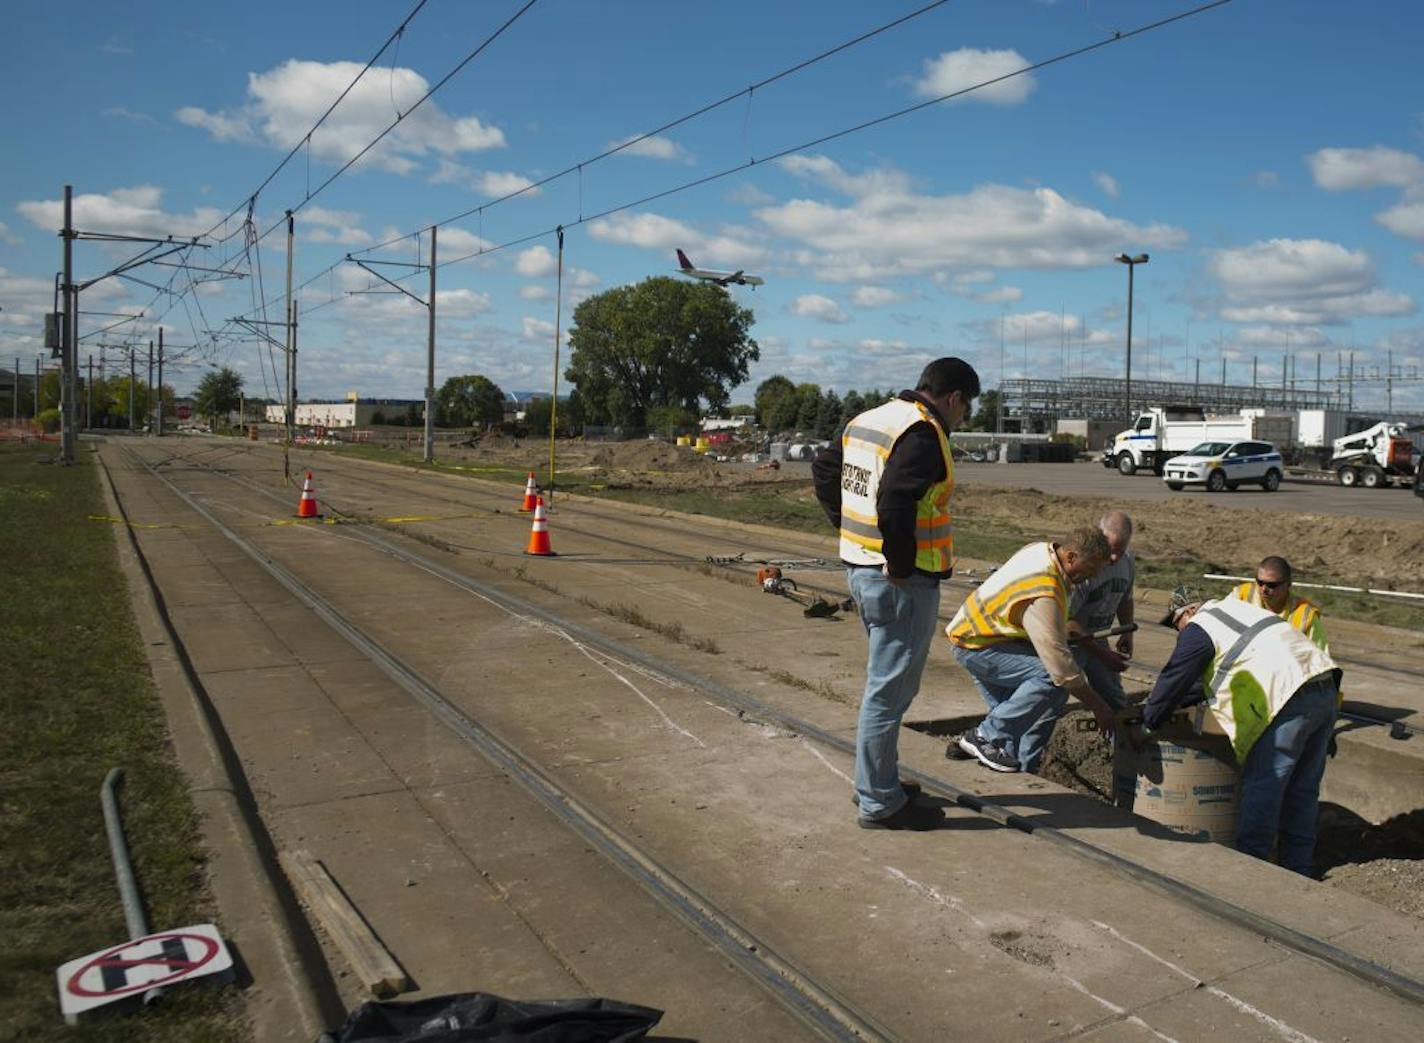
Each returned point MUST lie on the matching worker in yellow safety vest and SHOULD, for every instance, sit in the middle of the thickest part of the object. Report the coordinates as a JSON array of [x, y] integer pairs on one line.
[[1273, 692], [1272, 590], [886, 489], [1011, 635]]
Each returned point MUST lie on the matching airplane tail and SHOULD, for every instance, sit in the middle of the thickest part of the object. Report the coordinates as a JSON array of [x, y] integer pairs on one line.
[[683, 262]]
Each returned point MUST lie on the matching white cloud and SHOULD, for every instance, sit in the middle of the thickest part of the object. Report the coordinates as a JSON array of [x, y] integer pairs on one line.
[[1281, 337], [119, 112], [7, 237], [332, 226], [999, 295], [876, 296], [749, 195], [285, 101], [583, 278], [1406, 219], [112, 46], [456, 242], [655, 232], [1107, 184], [979, 275], [496, 184], [536, 292], [959, 70], [536, 262], [1301, 282], [889, 229], [653, 148], [822, 309], [1340, 169], [123, 211], [537, 329]]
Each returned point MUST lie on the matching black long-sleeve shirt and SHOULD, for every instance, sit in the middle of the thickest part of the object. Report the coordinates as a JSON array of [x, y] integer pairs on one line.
[[1180, 680], [915, 463]]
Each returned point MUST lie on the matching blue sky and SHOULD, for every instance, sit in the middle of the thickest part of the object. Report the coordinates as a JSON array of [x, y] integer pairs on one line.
[[1268, 154]]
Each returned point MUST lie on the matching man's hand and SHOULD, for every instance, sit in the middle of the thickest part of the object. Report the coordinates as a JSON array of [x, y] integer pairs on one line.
[[1135, 736], [1124, 646], [1105, 655], [895, 581], [1103, 714]]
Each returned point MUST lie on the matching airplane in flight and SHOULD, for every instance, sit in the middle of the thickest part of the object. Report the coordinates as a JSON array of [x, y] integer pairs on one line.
[[740, 277]]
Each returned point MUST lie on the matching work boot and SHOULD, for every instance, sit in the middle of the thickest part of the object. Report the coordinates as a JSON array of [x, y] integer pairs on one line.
[[913, 816], [912, 792]]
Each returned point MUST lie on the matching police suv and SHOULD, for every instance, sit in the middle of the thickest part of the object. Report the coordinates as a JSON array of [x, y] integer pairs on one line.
[[1225, 465]]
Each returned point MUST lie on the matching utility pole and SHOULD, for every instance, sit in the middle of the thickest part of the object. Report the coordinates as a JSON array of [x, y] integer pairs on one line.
[[1389, 384], [148, 402], [429, 454], [1352, 378], [15, 398], [291, 356], [37, 387], [160, 382], [70, 350], [89, 396], [133, 378], [1255, 363]]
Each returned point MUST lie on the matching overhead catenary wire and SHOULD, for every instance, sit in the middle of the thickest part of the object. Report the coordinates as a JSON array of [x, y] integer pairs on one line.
[[900, 113], [306, 138]]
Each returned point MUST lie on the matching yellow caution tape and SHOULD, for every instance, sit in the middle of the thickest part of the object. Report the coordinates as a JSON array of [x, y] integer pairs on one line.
[[133, 525]]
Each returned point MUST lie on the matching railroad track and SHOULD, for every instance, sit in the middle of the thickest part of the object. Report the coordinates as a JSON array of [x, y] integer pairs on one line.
[[819, 1007]]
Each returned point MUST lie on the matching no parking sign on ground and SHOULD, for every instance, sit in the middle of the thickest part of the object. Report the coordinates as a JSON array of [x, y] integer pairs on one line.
[[136, 966]]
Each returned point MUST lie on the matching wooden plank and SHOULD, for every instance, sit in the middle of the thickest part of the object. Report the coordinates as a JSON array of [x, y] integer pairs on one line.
[[375, 968]]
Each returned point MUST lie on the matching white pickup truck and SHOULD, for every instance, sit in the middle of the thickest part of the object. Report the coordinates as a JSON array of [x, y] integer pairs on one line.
[[1159, 434]]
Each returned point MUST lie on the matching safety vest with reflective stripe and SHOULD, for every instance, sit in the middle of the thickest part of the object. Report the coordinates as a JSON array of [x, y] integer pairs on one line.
[[1260, 661], [865, 447], [1299, 613], [994, 613]]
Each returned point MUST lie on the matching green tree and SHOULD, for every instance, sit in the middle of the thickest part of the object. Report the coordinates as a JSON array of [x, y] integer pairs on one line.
[[470, 400], [218, 394], [671, 420], [808, 407], [742, 409], [828, 418], [851, 407], [769, 395], [987, 416], [661, 342]]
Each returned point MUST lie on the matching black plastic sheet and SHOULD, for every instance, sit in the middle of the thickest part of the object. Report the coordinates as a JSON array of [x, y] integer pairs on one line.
[[478, 1016]]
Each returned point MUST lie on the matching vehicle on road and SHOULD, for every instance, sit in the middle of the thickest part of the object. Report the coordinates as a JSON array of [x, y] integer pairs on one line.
[[1378, 456], [1225, 465], [1158, 434]]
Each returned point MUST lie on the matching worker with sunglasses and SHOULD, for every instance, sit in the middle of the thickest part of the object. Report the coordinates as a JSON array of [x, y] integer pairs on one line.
[[1272, 591]]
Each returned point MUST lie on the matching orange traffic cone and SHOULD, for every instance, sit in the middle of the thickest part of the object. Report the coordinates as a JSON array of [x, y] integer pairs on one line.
[[531, 495], [539, 535], [307, 507]]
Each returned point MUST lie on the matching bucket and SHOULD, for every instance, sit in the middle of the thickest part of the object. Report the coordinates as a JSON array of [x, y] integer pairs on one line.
[[1188, 782], [684, 440], [702, 445]]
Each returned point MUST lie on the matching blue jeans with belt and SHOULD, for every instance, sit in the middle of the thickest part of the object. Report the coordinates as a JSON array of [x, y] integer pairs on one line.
[[901, 623], [1280, 781], [1024, 703]]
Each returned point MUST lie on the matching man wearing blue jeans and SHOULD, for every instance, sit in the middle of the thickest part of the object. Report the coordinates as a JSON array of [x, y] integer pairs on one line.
[[1274, 693], [886, 487]]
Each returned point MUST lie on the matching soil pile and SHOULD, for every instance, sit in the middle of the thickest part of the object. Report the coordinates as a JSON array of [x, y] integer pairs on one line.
[[1385, 554]]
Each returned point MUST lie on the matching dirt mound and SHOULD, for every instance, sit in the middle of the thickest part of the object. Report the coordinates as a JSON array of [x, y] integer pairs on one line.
[[649, 456], [1382, 553]]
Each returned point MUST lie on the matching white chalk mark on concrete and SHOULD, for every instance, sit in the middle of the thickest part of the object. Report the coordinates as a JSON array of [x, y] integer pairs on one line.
[[602, 659], [1285, 1031], [937, 896], [822, 758], [1119, 1011]]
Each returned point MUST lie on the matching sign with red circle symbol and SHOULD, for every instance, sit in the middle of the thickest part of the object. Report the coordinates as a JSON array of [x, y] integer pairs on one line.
[[136, 966]]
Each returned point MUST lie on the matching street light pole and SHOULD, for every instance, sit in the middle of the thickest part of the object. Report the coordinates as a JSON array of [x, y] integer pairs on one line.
[[1132, 263]]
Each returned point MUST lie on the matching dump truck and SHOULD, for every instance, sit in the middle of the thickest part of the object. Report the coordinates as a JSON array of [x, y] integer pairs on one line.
[[1158, 434]]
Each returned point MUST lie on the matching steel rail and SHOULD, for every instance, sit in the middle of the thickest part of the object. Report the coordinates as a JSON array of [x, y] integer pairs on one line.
[[816, 1005], [1400, 985]]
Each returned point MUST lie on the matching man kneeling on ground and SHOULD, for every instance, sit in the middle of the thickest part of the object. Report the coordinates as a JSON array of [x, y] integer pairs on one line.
[[1011, 635]]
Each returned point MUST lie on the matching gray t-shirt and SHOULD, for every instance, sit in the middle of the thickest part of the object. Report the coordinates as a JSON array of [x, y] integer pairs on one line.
[[1094, 602]]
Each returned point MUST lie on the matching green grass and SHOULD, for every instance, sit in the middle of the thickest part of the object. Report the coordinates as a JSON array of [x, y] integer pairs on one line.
[[78, 701], [789, 505]]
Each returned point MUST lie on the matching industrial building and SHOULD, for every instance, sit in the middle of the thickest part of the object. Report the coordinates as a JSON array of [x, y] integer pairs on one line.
[[361, 412]]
